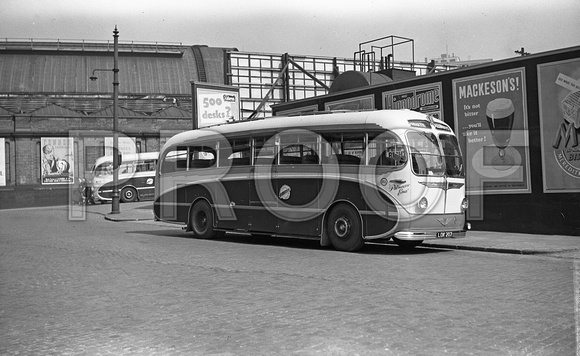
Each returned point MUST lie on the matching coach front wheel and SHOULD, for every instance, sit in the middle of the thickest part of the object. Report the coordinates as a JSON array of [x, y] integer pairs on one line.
[[344, 228]]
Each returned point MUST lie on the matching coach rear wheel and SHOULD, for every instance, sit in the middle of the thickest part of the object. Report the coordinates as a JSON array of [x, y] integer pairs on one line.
[[344, 228], [201, 220], [128, 195]]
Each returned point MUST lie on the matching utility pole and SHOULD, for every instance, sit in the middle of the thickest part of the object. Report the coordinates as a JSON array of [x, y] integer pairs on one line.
[[115, 201], [116, 157]]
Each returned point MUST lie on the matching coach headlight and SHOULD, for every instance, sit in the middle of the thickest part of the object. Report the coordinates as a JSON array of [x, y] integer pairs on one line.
[[423, 203], [464, 204]]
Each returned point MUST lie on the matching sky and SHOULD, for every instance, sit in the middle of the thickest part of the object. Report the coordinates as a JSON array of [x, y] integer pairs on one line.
[[482, 29]]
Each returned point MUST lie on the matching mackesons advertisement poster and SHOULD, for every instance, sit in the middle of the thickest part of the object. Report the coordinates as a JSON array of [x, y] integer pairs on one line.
[[559, 97], [492, 127]]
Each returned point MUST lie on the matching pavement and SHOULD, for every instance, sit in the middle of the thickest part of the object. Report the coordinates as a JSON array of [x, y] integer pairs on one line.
[[489, 241]]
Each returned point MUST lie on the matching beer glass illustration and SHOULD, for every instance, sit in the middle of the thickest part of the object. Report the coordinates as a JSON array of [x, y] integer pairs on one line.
[[500, 118]]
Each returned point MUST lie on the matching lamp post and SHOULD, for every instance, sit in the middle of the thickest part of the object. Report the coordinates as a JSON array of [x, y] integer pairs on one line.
[[115, 196]]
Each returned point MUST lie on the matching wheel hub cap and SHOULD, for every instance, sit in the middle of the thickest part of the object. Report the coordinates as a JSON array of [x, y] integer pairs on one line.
[[342, 227]]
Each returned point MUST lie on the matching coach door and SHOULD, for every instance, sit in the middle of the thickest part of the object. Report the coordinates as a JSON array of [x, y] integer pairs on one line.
[[455, 191], [235, 157], [263, 200], [428, 180], [298, 180]]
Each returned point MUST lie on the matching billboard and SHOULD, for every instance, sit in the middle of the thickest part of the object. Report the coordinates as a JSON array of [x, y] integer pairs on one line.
[[425, 99], [2, 162], [357, 103], [57, 160], [491, 122], [214, 104], [559, 99], [126, 145]]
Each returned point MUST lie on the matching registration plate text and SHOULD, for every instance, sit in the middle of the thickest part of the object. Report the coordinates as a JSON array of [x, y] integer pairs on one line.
[[444, 234]]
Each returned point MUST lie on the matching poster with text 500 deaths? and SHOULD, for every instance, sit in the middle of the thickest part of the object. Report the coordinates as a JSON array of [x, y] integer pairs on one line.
[[492, 126], [559, 97]]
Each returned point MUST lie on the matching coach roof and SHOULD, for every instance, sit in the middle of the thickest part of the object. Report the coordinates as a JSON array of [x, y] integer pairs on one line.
[[338, 121]]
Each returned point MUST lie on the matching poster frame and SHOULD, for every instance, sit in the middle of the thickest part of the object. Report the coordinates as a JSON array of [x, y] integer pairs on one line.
[[462, 132], [301, 110], [3, 170], [549, 185], [328, 106], [197, 91], [436, 86], [52, 173]]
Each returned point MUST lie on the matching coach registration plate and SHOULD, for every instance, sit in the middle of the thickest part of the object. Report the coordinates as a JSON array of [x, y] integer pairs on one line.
[[444, 234]]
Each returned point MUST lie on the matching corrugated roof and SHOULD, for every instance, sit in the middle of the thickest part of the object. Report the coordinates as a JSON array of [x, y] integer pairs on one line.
[[45, 71], [69, 73], [213, 59], [34, 75]]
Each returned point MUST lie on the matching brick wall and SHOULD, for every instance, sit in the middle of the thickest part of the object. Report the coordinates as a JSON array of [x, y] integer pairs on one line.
[[27, 163]]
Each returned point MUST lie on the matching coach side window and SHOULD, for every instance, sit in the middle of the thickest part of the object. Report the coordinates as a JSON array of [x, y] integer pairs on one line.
[[201, 157], [264, 150], [175, 160], [347, 147], [145, 166], [237, 154], [387, 150], [299, 148]]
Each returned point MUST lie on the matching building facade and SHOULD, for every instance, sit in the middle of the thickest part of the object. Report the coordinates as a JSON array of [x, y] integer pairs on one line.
[[55, 121], [47, 98]]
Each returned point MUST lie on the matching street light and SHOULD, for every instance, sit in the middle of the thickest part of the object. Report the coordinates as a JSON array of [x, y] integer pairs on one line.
[[115, 197]]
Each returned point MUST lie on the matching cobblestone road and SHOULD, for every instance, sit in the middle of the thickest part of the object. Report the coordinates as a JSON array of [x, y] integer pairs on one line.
[[105, 288]]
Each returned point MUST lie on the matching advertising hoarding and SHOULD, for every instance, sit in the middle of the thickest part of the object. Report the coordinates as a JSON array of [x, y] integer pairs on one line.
[[126, 145], [304, 109], [57, 160], [425, 99], [559, 99], [215, 104], [492, 126], [358, 103], [2, 162]]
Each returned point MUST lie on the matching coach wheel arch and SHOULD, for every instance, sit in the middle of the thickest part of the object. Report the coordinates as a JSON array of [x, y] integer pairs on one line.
[[201, 219], [344, 227]]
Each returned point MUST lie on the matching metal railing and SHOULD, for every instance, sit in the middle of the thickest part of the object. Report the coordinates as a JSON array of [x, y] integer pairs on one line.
[[31, 44], [280, 78], [266, 79]]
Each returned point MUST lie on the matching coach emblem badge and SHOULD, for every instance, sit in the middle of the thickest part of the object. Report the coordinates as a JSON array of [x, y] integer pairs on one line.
[[284, 193]]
